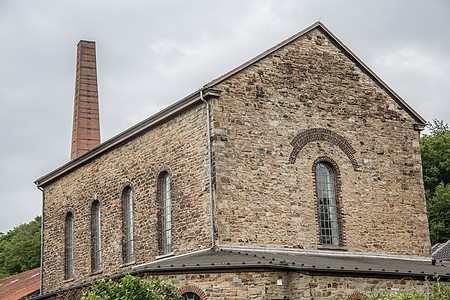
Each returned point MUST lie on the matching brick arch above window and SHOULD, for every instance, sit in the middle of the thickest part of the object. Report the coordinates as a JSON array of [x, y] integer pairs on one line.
[[193, 289], [322, 134]]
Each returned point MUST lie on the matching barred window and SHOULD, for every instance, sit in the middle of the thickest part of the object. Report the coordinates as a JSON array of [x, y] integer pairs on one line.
[[96, 237], [191, 296], [329, 227], [69, 245], [128, 225], [166, 214]]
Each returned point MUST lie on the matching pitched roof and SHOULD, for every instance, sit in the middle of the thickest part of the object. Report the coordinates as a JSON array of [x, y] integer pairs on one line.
[[20, 285], [343, 48], [323, 263], [210, 91], [442, 251], [310, 262]]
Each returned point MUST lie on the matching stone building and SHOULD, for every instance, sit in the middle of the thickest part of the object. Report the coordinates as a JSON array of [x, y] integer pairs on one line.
[[296, 175]]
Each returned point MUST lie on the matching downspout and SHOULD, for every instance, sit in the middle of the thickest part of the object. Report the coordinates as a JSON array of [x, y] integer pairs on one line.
[[211, 202], [42, 239]]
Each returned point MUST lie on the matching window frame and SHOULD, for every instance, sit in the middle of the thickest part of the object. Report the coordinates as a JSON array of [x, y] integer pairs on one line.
[[337, 235], [128, 225], [96, 235], [190, 293], [68, 242], [165, 200]]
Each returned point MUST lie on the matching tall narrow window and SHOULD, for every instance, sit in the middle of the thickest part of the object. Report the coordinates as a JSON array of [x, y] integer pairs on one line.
[[69, 245], [166, 215], [128, 224], [329, 227], [96, 237]]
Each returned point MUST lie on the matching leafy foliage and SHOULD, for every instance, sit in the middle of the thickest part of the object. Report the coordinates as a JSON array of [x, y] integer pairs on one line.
[[20, 248], [131, 287], [439, 214], [432, 290], [435, 149]]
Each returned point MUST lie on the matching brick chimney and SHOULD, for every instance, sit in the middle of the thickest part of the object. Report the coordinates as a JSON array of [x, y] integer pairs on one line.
[[86, 124]]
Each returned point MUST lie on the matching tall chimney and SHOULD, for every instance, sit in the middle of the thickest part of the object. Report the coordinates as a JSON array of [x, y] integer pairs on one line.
[[86, 124]]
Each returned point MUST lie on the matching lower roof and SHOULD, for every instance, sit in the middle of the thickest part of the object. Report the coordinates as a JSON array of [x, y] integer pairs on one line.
[[20, 285], [309, 262], [225, 260]]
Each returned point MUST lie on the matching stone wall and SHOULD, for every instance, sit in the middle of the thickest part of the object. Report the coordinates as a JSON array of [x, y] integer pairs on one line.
[[263, 285], [273, 122], [179, 147], [276, 118]]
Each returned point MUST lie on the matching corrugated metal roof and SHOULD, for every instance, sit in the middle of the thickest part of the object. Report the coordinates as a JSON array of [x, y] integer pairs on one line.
[[442, 251]]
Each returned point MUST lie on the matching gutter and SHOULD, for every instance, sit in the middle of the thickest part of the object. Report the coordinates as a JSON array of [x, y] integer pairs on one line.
[[123, 137], [42, 241], [211, 199], [311, 270]]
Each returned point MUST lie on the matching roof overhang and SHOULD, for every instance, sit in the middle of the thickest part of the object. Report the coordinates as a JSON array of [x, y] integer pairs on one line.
[[210, 91], [138, 129]]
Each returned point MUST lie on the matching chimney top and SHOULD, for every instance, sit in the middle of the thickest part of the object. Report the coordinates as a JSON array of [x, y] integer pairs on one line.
[[86, 122]]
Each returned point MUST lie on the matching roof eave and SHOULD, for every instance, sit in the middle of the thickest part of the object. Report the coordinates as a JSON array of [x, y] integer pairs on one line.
[[128, 134], [212, 92]]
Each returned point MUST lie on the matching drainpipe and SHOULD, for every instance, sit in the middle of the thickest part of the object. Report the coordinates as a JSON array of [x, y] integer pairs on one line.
[[211, 202], [42, 239]]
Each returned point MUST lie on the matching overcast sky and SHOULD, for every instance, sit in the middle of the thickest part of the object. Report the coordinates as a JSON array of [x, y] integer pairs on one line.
[[153, 53]]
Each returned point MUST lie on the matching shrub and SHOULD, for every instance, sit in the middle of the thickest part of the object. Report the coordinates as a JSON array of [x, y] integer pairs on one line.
[[131, 287]]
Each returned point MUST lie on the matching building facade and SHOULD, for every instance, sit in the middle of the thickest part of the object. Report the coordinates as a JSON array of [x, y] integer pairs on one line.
[[310, 155]]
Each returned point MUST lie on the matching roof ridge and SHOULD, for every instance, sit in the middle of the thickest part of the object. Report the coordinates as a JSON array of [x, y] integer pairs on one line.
[[365, 68]]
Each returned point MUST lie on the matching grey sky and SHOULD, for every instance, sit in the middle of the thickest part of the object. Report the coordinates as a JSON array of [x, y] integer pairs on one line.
[[153, 53]]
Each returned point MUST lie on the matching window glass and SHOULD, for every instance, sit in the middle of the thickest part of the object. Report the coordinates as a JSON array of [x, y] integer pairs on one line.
[[97, 241], [69, 246], [329, 229], [191, 296], [166, 215], [128, 223]]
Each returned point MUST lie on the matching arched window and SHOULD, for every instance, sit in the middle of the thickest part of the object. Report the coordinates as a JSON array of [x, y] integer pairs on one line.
[[128, 225], [166, 214], [96, 237], [69, 245], [191, 296], [326, 194]]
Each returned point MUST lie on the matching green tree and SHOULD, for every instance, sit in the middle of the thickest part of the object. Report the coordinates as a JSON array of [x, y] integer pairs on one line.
[[131, 287], [438, 207], [20, 248], [435, 149]]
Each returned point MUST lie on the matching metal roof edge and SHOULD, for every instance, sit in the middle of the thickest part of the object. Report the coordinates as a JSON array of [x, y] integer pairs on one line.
[[344, 48], [193, 98], [441, 247], [264, 54], [129, 133], [333, 253], [366, 68], [254, 268], [141, 266]]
